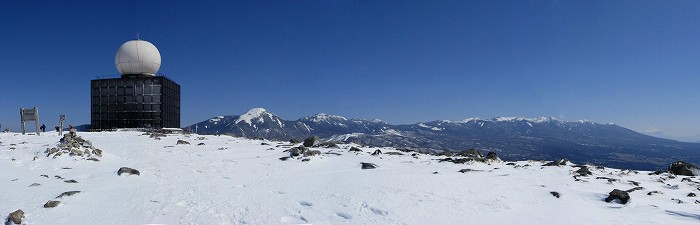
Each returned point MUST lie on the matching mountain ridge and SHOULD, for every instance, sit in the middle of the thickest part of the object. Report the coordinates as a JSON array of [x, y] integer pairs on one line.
[[514, 138]]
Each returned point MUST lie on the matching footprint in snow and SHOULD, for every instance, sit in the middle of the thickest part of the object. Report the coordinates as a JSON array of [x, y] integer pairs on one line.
[[305, 203], [377, 211], [344, 215], [293, 220]]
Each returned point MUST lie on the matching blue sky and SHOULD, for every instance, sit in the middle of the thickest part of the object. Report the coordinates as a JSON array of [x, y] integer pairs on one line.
[[633, 63]]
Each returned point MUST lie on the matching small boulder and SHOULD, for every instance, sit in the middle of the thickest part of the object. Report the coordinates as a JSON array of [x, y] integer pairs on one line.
[[635, 189], [492, 156], [355, 149], [377, 152], [67, 193], [97, 152], [51, 204], [657, 172], [296, 151], [653, 192], [621, 195], [182, 142], [129, 171], [464, 170], [555, 194], [583, 171], [328, 145], [200, 144], [472, 153], [684, 168], [311, 153], [311, 141], [559, 162], [691, 194], [366, 166], [15, 217], [70, 181], [294, 141]]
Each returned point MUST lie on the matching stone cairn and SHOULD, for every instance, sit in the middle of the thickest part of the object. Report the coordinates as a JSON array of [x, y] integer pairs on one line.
[[73, 145]]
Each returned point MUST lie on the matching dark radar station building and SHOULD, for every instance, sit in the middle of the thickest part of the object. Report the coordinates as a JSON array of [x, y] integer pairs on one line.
[[140, 98]]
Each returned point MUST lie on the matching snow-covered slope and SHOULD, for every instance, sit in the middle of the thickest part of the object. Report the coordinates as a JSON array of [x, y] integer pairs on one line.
[[241, 181]]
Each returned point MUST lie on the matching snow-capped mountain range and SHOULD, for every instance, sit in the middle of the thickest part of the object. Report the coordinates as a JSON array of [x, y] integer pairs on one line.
[[514, 138]]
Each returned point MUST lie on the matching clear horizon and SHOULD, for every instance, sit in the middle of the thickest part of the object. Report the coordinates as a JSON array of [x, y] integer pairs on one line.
[[632, 63]]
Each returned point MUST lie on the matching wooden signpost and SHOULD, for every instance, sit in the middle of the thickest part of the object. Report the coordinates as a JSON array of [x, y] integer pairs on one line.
[[60, 124], [29, 115]]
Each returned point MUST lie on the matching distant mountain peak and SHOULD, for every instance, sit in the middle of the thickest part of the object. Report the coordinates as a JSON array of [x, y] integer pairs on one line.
[[541, 119], [254, 114], [322, 117]]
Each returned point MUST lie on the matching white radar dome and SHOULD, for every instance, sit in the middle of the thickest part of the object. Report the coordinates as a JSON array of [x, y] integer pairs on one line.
[[137, 57]]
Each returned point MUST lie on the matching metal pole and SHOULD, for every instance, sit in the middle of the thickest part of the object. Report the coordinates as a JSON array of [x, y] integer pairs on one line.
[[36, 122], [21, 119]]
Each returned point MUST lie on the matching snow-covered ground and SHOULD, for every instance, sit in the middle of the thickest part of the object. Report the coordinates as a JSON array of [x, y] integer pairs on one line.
[[240, 181]]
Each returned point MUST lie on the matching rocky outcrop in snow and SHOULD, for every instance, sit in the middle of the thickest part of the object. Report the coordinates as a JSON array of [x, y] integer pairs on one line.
[[618, 194], [73, 145], [684, 168], [15, 217]]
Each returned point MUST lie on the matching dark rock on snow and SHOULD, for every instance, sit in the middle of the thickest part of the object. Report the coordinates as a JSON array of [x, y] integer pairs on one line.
[[67, 193], [15, 217], [464, 170], [658, 172], [635, 189], [311, 153], [492, 156], [683, 168], [393, 153], [583, 171], [555, 194], [377, 152], [623, 196], [366, 166], [472, 153], [296, 151], [560, 162], [328, 145], [354, 149], [129, 171], [51, 204], [182, 142], [311, 141]]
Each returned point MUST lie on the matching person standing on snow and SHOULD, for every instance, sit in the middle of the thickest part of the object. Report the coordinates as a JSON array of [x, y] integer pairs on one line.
[[43, 128]]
